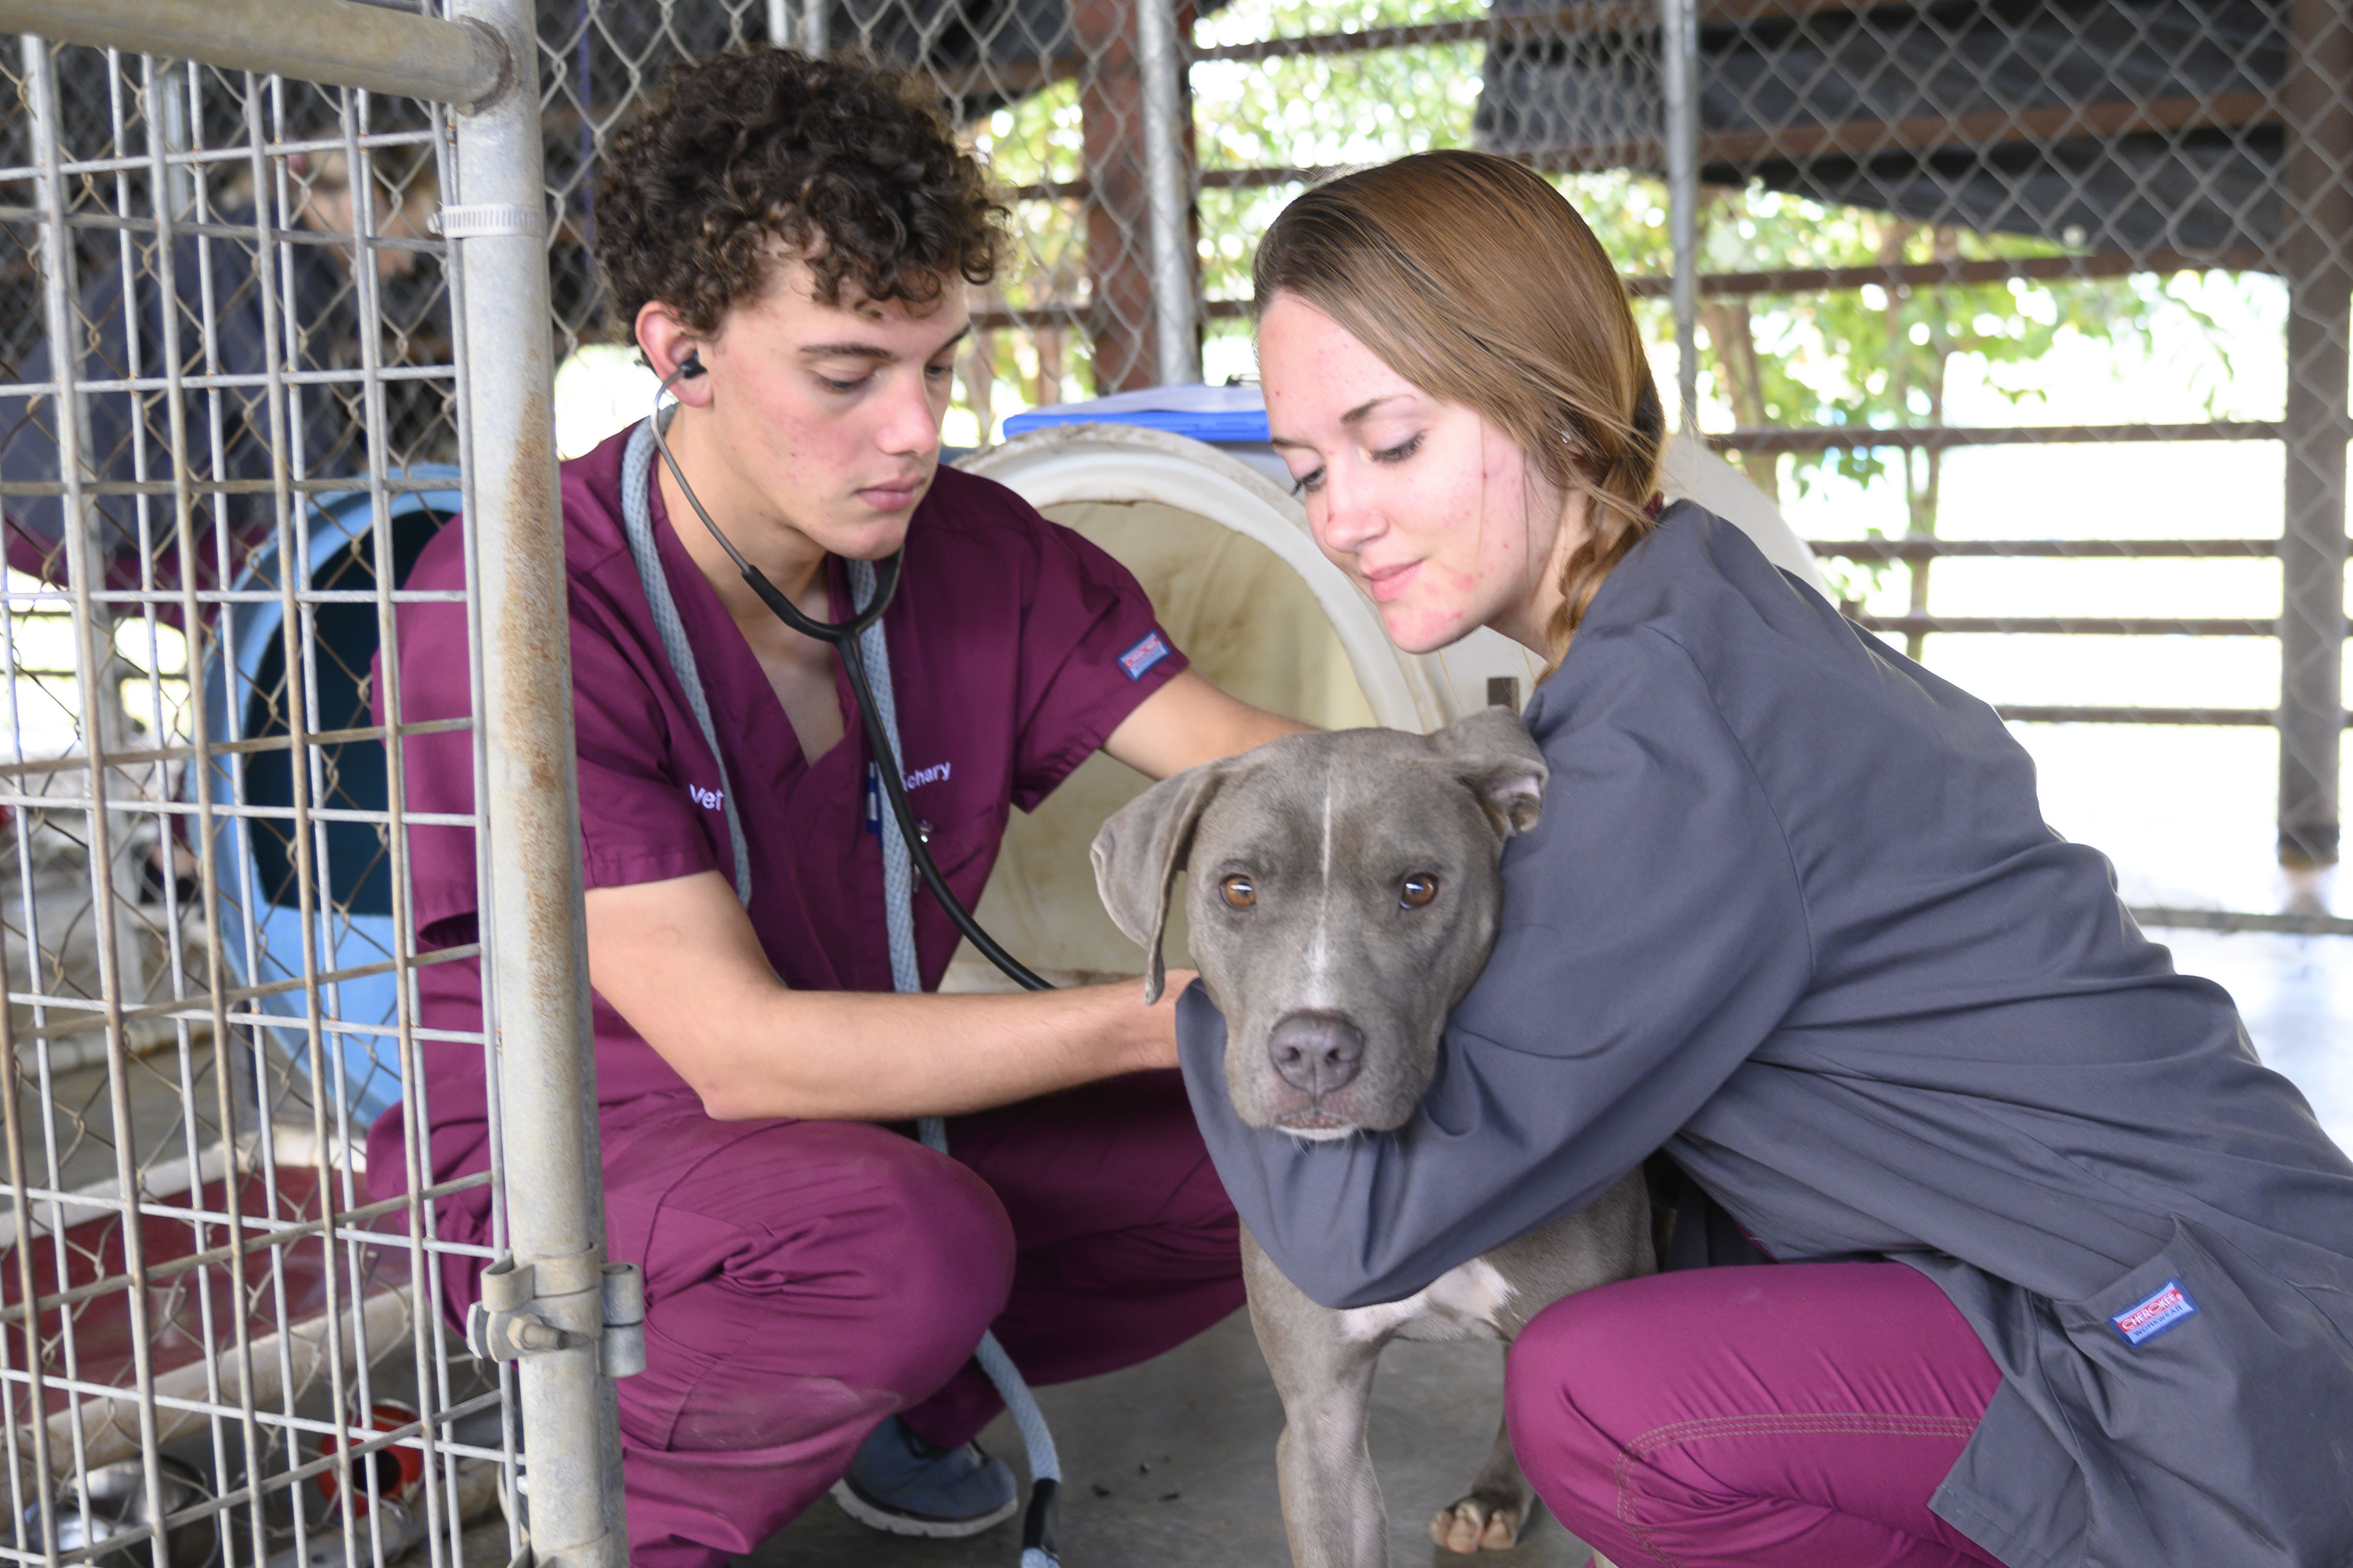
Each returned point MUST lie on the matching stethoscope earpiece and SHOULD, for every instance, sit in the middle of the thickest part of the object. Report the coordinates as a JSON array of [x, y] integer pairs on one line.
[[841, 635]]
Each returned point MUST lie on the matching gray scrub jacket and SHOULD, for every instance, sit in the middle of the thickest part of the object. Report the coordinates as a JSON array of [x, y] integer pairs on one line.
[[1793, 915]]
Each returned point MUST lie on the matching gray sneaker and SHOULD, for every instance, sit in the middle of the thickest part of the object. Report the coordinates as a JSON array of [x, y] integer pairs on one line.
[[901, 1484]]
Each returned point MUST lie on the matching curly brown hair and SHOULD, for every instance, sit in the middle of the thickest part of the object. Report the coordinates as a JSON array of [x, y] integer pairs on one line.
[[747, 151]]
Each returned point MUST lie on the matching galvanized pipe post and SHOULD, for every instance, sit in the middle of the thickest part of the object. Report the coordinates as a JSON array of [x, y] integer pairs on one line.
[[340, 42], [1174, 311], [1679, 83], [103, 733], [534, 937], [107, 727], [2316, 255]]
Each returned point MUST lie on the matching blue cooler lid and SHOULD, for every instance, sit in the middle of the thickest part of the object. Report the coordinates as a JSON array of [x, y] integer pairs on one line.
[[1224, 416]]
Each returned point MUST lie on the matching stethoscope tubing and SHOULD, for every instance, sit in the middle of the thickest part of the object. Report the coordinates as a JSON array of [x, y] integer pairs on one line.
[[842, 635], [1012, 968]]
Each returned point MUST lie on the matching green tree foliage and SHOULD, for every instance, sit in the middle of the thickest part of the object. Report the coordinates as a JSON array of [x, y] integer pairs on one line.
[[1882, 354]]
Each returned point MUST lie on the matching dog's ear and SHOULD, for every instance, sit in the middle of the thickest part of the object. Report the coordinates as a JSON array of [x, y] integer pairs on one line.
[[1492, 752], [1140, 854]]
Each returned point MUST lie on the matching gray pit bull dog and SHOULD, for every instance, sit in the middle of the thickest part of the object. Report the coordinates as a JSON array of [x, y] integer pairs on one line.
[[1344, 897]]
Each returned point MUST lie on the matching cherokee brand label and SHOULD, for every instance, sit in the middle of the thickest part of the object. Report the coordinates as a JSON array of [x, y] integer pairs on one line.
[[1143, 655], [2144, 1322]]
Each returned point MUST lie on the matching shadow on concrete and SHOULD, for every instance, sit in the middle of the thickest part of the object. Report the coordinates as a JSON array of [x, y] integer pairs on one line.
[[1172, 1463]]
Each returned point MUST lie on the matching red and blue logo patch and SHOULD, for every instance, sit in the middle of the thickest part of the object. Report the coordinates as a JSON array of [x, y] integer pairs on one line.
[[2167, 1307], [1143, 655]]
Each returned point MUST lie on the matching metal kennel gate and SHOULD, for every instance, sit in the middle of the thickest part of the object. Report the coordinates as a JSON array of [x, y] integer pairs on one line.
[[273, 306]]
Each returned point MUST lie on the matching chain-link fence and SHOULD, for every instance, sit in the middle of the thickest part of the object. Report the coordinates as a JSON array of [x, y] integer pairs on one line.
[[235, 407], [2077, 149], [1843, 203], [1060, 96], [1833, 210]]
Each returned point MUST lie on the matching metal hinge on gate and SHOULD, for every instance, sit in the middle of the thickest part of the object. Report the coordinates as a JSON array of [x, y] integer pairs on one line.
[[523, 1306], [621, 1351]]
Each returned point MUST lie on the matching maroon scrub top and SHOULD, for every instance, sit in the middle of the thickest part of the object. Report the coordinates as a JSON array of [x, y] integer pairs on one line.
[[1015, 647]]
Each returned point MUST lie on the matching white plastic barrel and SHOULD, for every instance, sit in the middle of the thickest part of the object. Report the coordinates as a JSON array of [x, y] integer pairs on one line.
[[1224, 551]]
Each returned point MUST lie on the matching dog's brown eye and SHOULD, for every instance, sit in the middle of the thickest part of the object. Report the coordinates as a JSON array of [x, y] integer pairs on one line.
[[1419, 889], [1240, 892]]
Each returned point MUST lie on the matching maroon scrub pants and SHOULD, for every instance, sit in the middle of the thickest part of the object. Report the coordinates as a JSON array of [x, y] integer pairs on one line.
[[806, 1278], [1796, 1415]]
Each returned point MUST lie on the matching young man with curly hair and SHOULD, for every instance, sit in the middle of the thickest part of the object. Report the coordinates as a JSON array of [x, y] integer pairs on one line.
[[817, 1280]]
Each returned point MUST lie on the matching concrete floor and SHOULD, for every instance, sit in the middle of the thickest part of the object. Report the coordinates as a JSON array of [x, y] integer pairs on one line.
[[1172, 1463]]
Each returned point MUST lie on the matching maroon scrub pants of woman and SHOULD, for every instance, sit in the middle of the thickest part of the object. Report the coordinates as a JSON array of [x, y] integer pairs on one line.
[[804, 1280], [1790, 1415]]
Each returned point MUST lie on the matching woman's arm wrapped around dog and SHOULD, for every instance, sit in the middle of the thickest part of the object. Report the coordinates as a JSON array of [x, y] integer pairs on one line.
[[1653, 934]]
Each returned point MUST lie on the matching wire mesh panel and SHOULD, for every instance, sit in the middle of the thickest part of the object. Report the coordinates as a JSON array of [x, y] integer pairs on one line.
[[1880, 198], [231, 416], [1970, 157], [1866, 207]]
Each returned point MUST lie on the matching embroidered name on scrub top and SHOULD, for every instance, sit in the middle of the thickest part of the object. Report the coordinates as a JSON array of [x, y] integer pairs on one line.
[[708, 799], [1143, 655], [2151, 1318]]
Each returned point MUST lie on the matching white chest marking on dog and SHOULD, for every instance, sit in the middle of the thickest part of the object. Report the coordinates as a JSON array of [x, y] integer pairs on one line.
[[1464, 1302]]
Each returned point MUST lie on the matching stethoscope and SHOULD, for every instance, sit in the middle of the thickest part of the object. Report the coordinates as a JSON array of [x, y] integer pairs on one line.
[[842, 635], [1045, 1466]]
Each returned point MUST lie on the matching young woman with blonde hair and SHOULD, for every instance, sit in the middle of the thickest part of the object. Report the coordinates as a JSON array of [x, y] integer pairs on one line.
[[2060, 1273]]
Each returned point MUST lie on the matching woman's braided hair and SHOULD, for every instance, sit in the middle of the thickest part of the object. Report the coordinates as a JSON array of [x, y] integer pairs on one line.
[[746, 156], [1473, 277]]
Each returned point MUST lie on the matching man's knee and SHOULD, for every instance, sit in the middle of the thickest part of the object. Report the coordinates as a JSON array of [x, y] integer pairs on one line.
[[927, 1251], [863, 1295], [937, 1245]]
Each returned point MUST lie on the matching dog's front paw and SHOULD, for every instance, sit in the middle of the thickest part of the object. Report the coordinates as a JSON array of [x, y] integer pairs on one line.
[[1477, 1524]]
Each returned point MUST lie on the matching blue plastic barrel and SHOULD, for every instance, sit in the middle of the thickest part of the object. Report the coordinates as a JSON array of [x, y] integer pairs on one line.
[[353, 906]]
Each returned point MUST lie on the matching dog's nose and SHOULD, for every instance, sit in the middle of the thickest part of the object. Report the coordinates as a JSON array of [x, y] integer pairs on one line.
[[1316, 1051]]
